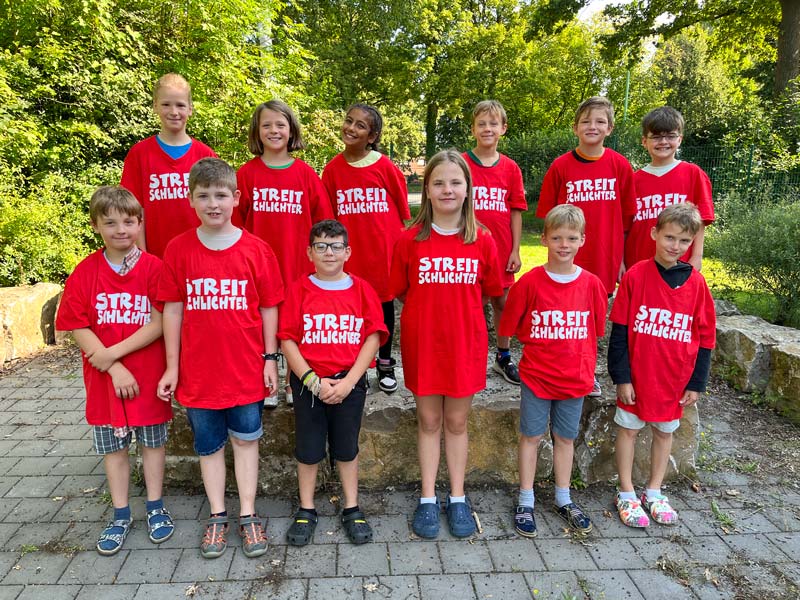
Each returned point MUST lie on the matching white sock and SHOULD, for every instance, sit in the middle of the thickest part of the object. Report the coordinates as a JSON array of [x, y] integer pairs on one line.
[[562, 497], [627, 495], [454, 499], [431, 500], [653, 494], [526, 497]]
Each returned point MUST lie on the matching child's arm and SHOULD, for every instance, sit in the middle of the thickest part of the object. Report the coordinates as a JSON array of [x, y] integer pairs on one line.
[[173, 319], [696, 259], [514, 263], [102, 358], [125, 385], [269, 321], [334, 391]]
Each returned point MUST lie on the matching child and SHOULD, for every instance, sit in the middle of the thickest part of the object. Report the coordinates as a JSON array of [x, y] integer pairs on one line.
[[108, 305], [221, 286], [369, 197], [557, 311], [281, 196], [444, 266], [499, 196], [659, 355], [330, 329], [156, 169], [666, 181]]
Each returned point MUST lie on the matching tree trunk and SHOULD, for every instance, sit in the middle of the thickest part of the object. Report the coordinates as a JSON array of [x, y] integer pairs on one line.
[[787, 67], [431, 117]]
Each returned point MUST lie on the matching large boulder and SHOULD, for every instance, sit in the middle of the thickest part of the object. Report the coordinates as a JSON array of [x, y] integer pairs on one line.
[[783, 387], [27, 314]]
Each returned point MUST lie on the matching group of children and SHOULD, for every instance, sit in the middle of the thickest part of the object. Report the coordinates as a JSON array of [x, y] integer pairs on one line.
[[236, 268]]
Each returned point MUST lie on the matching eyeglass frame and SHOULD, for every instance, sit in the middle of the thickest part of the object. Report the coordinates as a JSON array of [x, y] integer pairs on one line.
[[326, 245]]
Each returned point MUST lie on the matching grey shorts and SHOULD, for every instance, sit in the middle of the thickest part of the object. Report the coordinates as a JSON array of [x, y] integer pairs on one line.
[[534, 414], [628, 420], [150, 436]]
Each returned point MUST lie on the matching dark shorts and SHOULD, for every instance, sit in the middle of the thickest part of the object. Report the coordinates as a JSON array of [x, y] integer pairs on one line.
[[316, 422]]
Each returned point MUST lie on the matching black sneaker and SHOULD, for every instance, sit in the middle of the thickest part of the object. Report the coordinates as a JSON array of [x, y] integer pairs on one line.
[[387, 382], [506, 367]]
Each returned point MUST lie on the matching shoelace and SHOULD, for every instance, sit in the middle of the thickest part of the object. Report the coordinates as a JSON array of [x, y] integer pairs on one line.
[[257, 533], [215, 534]]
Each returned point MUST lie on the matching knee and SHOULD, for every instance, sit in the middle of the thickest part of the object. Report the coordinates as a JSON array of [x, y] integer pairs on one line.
[[661, 436], [240, 443], [456, 424], [627, 434], [530, 440], [562, 442], [429, 424], [498, 302]]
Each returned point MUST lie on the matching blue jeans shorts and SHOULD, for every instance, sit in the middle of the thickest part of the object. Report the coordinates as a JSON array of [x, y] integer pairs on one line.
[[563, 415], [211, 426]]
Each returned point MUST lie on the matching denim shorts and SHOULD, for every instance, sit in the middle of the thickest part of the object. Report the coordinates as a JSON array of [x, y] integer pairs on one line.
[[628, 420], [149, 436], [563, 415], [211, 426]]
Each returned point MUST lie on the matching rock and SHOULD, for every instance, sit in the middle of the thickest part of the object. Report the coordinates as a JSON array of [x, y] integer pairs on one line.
[[783, 388], [725, 308], [27, 314]]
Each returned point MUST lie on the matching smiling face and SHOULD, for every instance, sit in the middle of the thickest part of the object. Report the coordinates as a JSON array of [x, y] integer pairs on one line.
[[274, 131], [214, 206], [662, 147], [173, 107], [672, 242], [562, 245], [487, 129], [329, 255], [357, 130], [446, 189], [592, 128], [119, 232]]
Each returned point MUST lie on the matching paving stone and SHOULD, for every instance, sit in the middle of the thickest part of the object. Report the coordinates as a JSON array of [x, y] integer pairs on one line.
[[7, 463], [270, 506], [548, 525], [515, 555], [84, 534], [700, 522], [35, 487], [565, 555], [117, 591], [5, 416], [393, 587], [10, 592], [36, 535], [66, 417], [609, 584], [7, 560], [184, 507], [40, 465], [70, 432], [363, 560], [436, 587], [463, 557], [37, 568], [659, 586], [6, 446], [205, 590], [72, 485], [701, 582], [193, 567], [335, 588], [492, 501], [280, 589], [51, 592], [709, 550], [31, 431], [30, 447], [89, 567], [789, 543], [90, 509], [400, 502], [6, 483], [784, 518], [29, 419], [149, 566], [496, 526], [71, 448], [651, 550], [411, 558], [7, 530], [612, 527], [329, 531], [270, 566], [26, 393], [501, 585], [615, 553], [311, 561], [657, 530], [276, 529], [188, 534], [755, 547], [758, 581], [390, 528], [34, 510]]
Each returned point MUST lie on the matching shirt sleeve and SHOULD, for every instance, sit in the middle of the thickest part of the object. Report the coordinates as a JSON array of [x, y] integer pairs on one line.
[[132, 174], [169, 289], [518, 201], [321, 207], [399, 191], [245, 197], [373, 313], [620, 308], [619, 362], [329, 184], [704, 197], [707, 327], [398, 276], [73, 311], [153, 279], [491, 284], [290, 326], [515, 309], [627, 193], [269, 281], [548, 196], [600, 300]]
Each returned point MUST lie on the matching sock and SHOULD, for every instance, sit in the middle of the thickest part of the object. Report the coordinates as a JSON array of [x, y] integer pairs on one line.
[[503, 353], [431, 500], [653, 494], [224, 513], [627, 495], [385, 361], [454, 499], [313, 511], [562, 497], [154, 504], [122, 514], [247, 516], [350, 511], [526, 497]]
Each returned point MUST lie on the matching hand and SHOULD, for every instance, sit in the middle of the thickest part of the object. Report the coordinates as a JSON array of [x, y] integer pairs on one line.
[[626, 394], [327, 391], [167, 385], [514, 263], [339, 390], [125, 386], [271, 376], [696, 262], [689, 398], [102, 359], [622, 269]]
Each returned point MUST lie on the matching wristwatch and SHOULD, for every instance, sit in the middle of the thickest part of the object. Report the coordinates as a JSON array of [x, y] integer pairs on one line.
[[271, 356]]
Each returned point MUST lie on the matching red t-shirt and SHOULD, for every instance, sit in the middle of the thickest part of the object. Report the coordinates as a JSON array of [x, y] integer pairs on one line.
[[280, 206], [603, 190], [666, 328], [114, 307], [497, 190], [161, 185], [558, 325], [331, 325], [686, 182], [222, 336], [443, 337], [372, 203]]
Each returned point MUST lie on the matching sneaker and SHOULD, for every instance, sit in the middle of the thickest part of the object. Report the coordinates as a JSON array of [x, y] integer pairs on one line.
[[387, 382], [524, 523], [575, 517], [506, 367], [660, 510], [254, 542], [426, 520], [271, 401], [460, 519], [113, 536], [597, 391], [631, 513], [214, 542], [159, 525]]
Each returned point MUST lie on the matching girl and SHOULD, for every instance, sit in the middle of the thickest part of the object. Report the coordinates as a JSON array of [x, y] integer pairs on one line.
[[444, 267], [369, 197], [156, 169], [281, 196]]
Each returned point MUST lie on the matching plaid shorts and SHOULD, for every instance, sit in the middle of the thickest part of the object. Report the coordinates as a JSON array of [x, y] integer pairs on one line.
[[150, 436]]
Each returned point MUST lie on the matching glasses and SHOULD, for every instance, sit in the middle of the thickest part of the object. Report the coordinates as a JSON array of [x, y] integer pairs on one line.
[[322, 247], [668, 137]]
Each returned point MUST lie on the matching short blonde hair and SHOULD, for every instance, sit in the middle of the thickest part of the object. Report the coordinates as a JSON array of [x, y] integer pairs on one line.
[[212, 171], [600, 102], [685, 215], [493, 107], [565, 215], [172, 80], [113, 198]]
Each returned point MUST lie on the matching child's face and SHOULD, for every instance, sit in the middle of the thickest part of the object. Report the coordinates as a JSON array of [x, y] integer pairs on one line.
[[329, 255], [173, 108], [214, 205], [662, 146], [357, 130], [487, 129], [593, 127], [118, 230], [273, 130], [562, 245], [447, 189], [672, 242]]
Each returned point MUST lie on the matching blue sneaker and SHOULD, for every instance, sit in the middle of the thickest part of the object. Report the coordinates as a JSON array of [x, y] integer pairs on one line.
[[460, 519], [575, 517], [524, 523], [426, 520]]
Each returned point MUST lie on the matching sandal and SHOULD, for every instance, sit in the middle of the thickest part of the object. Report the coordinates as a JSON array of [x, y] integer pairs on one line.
[[357, 529], [254, 541], [301, 531], [214, 542], [660, 510], [631, 513], [113, 536], [160, 526]]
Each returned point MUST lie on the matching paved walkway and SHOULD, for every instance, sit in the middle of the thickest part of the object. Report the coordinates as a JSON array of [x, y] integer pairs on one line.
[[54, 504]]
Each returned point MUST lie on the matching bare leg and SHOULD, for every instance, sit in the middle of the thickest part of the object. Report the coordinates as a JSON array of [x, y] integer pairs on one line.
[[348, 475], [429, 440], [498, 304], [528, 454], [623, 451], [153, 466], [563, 452], [456, 440], [659, 457], [118, 472], [212, 468], [307, 482], [245, 466]]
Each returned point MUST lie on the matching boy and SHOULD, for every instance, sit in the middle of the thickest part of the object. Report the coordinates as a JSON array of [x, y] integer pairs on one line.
[[557, 311], [330, 328], [221, 286], [666, 181], [107, 306], [659, 355], [499, 196]]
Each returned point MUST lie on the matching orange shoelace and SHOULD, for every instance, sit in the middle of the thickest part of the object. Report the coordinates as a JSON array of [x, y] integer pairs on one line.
[[253, 533]]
